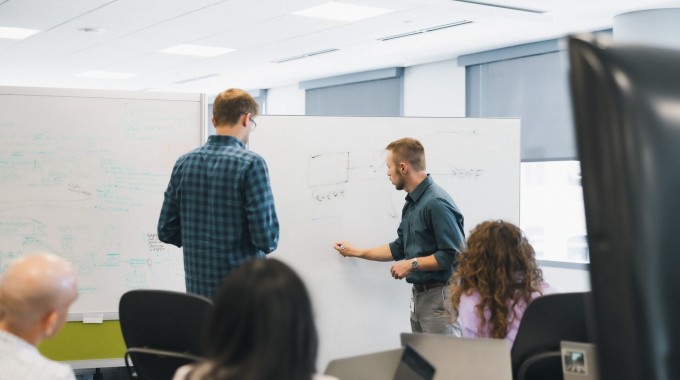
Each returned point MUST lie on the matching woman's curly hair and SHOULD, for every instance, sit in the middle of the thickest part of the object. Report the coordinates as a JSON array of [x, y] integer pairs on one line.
[[500, 264]]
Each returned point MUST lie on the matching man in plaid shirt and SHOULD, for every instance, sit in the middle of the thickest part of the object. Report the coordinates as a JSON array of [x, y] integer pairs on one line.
[[219, 205]]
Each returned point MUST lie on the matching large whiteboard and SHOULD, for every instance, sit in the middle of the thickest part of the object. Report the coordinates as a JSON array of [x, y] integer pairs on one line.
[[82, 174], [330, 182]]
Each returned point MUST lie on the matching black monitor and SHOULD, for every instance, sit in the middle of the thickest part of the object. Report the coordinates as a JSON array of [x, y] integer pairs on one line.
[[626, 103]]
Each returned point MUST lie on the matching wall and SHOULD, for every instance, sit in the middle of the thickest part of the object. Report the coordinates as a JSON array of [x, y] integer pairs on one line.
[[435, 89], [289, 100]]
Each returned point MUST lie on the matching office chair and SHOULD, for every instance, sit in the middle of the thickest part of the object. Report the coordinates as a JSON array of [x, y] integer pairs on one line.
[[547, 321], [163, 330], [149, 363]]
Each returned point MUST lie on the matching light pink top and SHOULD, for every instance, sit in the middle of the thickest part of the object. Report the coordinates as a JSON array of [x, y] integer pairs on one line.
[[469, 322]]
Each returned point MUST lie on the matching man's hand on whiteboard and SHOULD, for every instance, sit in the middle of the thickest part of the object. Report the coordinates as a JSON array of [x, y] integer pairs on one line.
[[345, 249], [380, 253], [401, 269]]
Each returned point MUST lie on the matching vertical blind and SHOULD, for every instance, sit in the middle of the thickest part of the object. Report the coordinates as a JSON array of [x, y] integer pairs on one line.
[[534, 88], [377, 93]]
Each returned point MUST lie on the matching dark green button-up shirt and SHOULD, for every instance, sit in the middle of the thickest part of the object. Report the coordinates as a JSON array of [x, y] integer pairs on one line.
[[430, 224]]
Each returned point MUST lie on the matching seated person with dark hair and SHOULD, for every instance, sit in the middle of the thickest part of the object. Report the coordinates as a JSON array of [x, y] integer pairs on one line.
[[262, 328], [497, 277]]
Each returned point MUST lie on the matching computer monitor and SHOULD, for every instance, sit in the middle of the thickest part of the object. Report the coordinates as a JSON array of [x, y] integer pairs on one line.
[[626, 103]]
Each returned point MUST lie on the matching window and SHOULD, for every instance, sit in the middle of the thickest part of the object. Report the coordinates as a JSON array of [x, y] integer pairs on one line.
[[530, 82], [552, 211]]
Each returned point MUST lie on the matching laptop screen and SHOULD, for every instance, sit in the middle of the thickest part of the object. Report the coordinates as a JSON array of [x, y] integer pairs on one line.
[[413, 366], [462, 358]]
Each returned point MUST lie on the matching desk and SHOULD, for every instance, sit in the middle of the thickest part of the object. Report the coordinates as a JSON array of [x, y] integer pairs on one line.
[[87, 345]]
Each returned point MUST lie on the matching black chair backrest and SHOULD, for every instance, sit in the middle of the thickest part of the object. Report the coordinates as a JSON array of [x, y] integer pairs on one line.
[[546, 322], [156, 364], [165, 320]]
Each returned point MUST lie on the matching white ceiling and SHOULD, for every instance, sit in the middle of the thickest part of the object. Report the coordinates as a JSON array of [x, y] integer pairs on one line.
[[264, 31]]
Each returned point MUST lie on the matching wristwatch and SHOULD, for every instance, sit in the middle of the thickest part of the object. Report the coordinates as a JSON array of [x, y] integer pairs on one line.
[[414, 264]]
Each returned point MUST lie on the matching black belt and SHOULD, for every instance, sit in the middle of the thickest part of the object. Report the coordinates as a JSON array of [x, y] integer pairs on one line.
[[427, 286]]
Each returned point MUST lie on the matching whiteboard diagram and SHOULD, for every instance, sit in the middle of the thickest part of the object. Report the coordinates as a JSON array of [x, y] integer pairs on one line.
[[84, 178]]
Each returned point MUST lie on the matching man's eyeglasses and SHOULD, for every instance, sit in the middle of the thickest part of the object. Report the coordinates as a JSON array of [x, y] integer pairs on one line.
[[251, 119]]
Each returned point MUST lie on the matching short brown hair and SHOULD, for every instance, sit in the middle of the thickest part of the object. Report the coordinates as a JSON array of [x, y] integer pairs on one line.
[[231, 104], [409, 150]]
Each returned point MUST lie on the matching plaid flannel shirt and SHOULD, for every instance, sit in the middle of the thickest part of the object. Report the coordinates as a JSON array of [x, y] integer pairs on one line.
[[219, 207]]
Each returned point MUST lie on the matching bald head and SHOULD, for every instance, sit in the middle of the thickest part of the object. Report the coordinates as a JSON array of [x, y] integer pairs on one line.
[[36, 291]]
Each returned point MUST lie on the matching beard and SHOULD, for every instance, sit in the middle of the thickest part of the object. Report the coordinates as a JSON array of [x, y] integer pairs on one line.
[[399, 182]]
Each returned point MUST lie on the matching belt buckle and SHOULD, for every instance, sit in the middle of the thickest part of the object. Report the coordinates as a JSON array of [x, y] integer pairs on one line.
[[427, 286]]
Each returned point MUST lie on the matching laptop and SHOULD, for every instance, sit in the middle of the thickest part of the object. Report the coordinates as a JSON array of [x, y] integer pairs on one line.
[[463, 358], [400, 364], [413, 366], [579, 361]]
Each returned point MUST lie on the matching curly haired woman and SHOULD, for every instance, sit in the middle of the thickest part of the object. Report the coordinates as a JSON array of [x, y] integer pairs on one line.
[[497, 277]]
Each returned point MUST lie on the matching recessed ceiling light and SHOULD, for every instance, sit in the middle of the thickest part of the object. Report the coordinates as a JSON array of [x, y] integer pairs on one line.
[[196, 50], [91, 30], [342, 11], [16, 33], [105, 75]]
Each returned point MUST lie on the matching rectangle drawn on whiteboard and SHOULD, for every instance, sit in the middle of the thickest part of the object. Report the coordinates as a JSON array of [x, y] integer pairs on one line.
[[328, 169]]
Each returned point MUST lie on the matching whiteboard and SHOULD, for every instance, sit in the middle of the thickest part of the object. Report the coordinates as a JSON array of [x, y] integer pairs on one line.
[[82, 174], [330, 183]]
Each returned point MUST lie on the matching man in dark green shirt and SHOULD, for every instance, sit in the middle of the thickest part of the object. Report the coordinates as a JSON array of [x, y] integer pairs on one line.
[[428, 238]]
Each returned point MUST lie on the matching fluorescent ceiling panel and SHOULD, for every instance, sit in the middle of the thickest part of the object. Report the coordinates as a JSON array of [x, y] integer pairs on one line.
[[342, 12], [196, 50], [105, 75], [16, 33]]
